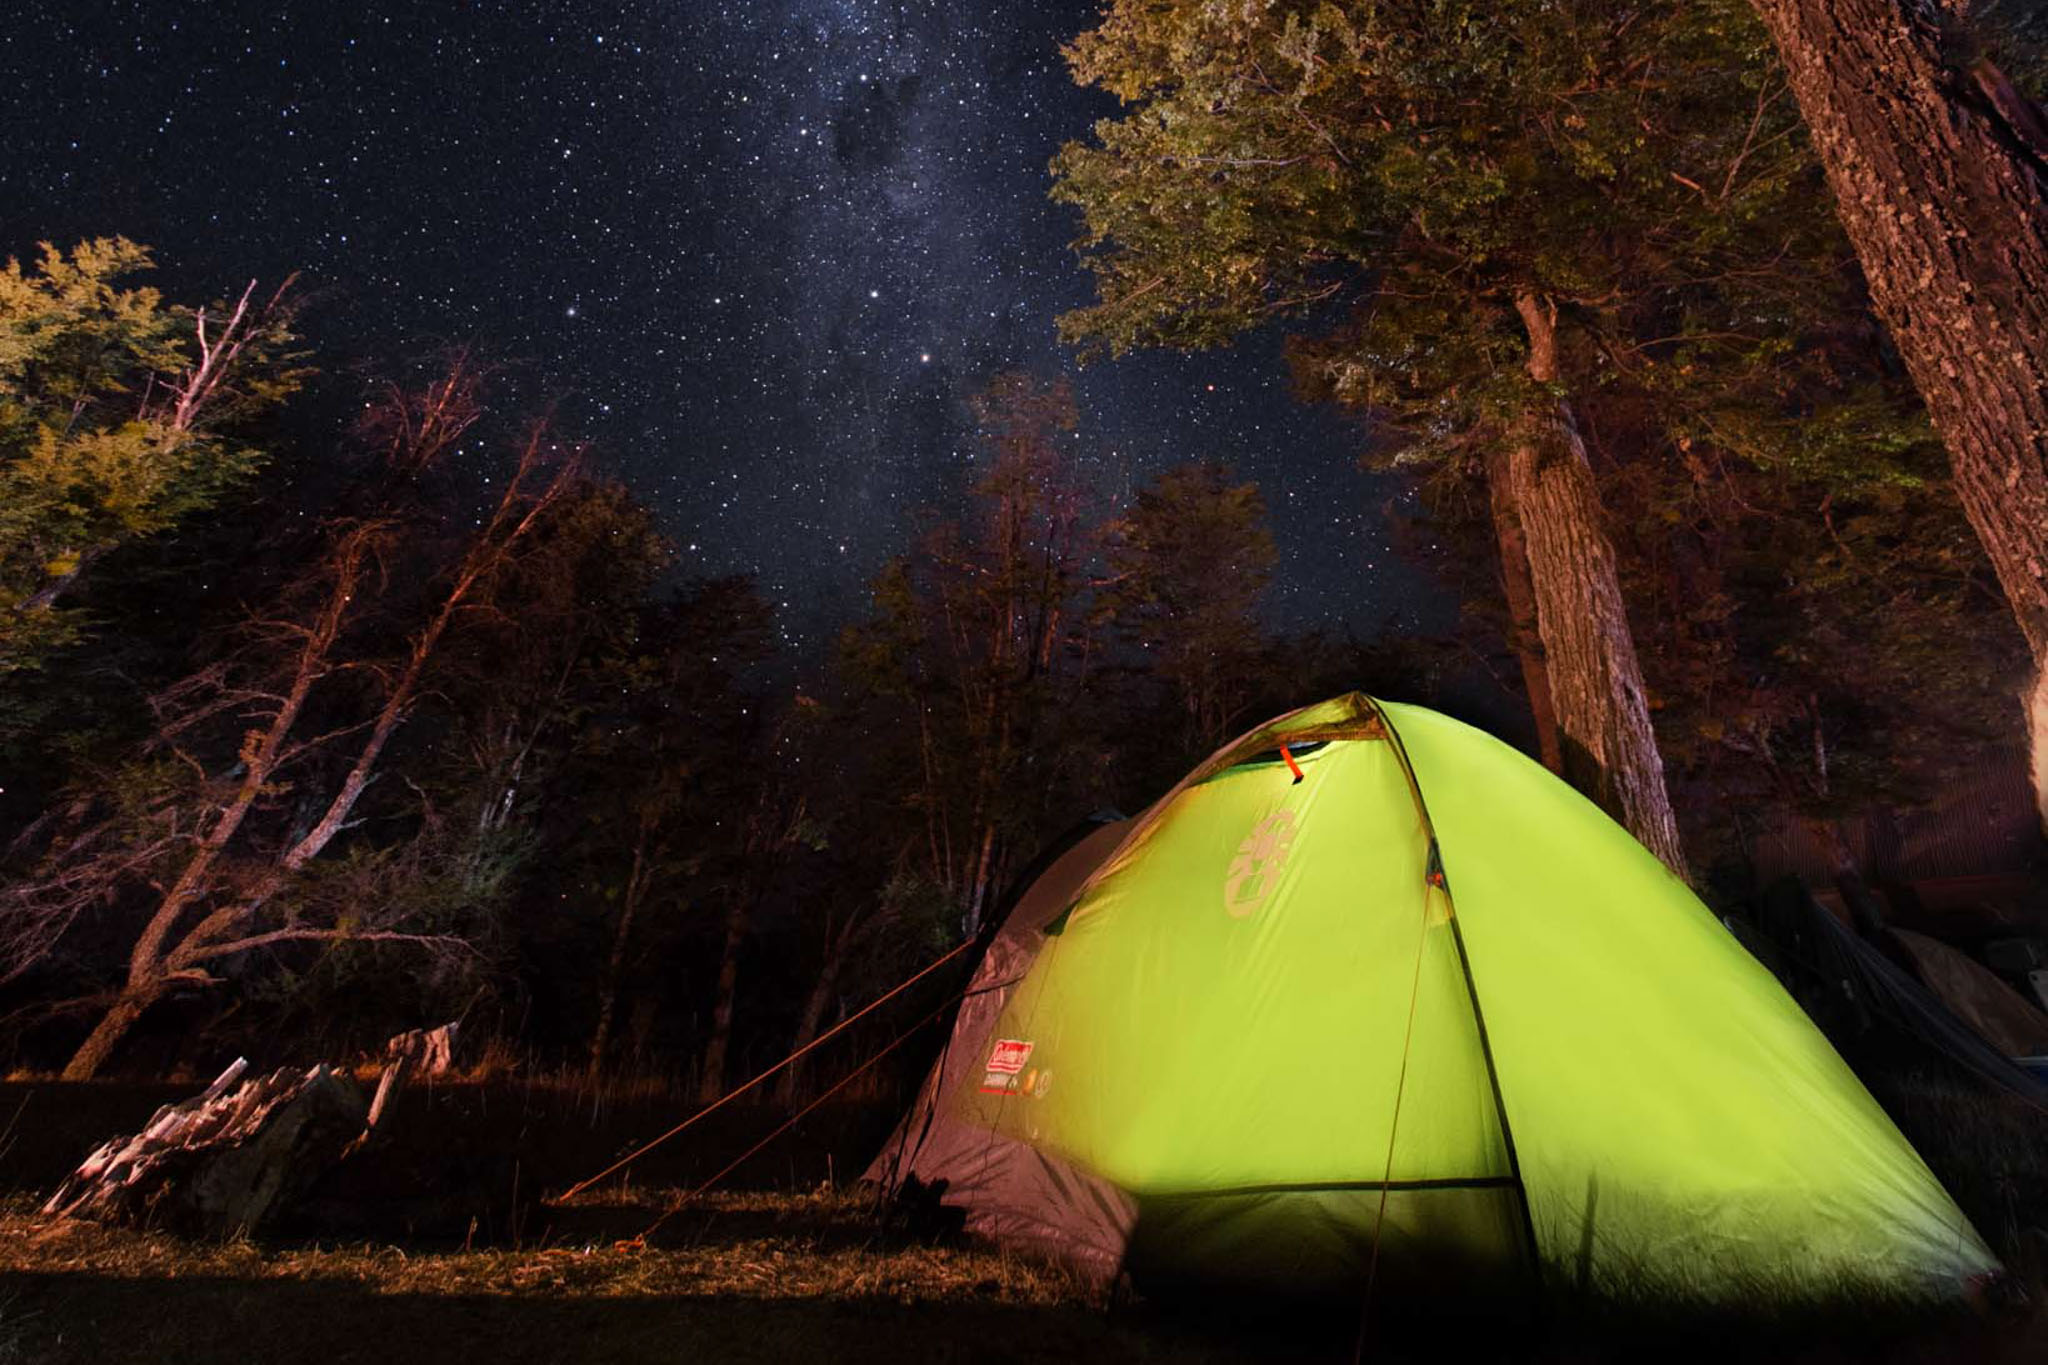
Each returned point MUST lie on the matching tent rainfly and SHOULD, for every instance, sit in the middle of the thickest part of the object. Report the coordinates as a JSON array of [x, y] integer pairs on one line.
[[1371, 989]]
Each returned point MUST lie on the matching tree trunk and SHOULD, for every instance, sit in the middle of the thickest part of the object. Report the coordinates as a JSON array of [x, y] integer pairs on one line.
[[156, 961], [614, 967], [1596, 683], [106, 1035], [148, 964], [2037, 726], [711, 1084], [1520, 593], [977, 892], [1940, 174], [146, 968], [807, 1023]]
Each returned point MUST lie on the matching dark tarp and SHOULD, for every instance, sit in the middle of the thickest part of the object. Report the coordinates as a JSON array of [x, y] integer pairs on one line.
[[1977, 995], [1866, 1003]]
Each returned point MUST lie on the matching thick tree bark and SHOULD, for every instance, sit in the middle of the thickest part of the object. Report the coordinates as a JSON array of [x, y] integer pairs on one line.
[[106, 1035], [1520, 592], [1940, 174], [2037, 727], [1596, 682]]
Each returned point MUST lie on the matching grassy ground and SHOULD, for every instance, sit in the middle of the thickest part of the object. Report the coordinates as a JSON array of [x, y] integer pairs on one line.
[[740, 1277], [761, 1277], [771, 1275]]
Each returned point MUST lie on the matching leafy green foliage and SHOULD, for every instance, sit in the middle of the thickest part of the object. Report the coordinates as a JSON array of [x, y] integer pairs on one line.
[[1395, 176], [1425, 165], [113, 427]]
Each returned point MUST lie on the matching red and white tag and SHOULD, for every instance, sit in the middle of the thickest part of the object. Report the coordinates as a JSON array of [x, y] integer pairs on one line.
[[1009, 1057]]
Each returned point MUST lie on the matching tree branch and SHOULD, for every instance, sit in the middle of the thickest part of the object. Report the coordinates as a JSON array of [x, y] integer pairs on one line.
[[264, 940]]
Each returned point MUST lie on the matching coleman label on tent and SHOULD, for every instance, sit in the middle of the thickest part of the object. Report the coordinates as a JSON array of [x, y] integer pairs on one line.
[[1009, 1056], [1004, 1063], [1256, 869]]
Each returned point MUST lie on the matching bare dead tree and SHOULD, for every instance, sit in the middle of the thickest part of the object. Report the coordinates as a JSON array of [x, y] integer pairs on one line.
[[83, 869], [224, 901], [417, 427], [191, 393]]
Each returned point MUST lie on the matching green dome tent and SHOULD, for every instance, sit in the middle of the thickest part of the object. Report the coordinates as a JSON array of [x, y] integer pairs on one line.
[[1371, 988]]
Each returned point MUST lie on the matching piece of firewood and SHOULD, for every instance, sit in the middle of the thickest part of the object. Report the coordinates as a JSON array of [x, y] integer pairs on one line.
[[428, 1051]]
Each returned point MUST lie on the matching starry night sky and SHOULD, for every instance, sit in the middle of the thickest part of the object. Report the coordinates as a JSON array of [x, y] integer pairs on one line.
[[765, 249]]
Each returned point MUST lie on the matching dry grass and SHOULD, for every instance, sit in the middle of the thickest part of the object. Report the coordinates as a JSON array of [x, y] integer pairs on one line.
[[750, 1276], [823, 1245], [745, 1277], [733, 1277], [739, 1276]]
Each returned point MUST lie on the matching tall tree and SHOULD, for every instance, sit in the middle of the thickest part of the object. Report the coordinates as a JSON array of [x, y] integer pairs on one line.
[[1939, 167], [1481, 182], [532, 703], [980, 636], [526, 675], [674, 768], [1188, 564], [774, 822]]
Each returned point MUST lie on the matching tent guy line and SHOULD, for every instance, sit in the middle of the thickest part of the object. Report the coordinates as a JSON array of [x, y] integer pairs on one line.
[[741, 1089]]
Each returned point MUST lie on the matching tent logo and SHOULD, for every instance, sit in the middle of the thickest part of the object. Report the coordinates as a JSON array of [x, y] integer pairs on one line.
[[1000, 1075], [1260, 860], [1010, 1055]]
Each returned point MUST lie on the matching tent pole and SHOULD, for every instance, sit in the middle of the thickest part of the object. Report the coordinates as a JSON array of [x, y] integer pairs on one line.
[[1500, 1109], [1442, 882]]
